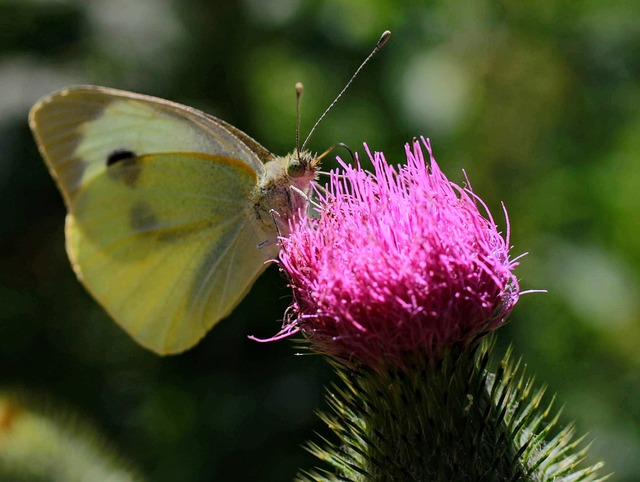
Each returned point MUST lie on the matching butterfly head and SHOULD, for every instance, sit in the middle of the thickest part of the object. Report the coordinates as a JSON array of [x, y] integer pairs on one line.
[[302, 164]]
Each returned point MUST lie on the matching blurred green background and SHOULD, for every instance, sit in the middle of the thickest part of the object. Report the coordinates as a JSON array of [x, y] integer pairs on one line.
[[539, 101]]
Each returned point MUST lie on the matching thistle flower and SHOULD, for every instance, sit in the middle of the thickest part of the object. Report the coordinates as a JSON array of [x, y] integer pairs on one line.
[[399, 273], [400, 263]]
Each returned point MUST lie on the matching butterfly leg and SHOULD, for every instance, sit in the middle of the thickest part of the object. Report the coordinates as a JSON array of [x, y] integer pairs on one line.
[[277, 219]]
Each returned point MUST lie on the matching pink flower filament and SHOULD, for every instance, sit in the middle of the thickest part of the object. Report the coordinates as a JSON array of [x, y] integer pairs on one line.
[[399, 262]]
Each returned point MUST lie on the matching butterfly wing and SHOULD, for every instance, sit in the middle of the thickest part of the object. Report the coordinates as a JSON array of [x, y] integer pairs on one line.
[[159, 226], [78, 128], [171, 255]]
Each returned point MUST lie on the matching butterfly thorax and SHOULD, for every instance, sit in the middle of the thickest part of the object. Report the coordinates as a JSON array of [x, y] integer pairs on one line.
[[282, 193]]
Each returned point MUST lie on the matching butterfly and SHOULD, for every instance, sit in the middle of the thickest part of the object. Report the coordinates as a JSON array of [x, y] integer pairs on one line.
[[171, 213]]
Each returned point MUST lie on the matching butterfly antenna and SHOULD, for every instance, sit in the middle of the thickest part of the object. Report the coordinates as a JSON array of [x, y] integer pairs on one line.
[[299, 88], [383, 40], [317, 160]]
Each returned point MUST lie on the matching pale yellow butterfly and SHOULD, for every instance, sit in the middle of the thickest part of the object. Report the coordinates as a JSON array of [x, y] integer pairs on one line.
[[166, 207], [172, 213]]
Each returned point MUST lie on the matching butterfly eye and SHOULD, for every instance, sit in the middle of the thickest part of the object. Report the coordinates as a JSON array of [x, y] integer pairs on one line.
[[295, 167]]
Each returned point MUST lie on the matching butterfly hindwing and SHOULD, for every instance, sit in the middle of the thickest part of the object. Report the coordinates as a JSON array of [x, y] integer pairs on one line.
[[167, 244]]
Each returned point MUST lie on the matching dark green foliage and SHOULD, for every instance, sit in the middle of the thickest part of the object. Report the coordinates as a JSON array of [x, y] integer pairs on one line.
[[453, 420], [40, 442], [58, 26]]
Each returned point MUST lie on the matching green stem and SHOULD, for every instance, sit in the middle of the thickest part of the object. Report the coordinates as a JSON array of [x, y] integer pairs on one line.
[[447, 421]]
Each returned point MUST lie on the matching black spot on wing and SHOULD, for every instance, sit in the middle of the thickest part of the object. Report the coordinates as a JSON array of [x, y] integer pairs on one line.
[[119, 155], [142, 217], [124, 166]]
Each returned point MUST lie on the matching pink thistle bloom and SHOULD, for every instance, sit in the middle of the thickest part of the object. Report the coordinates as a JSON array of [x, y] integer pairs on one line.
[[399, 263]]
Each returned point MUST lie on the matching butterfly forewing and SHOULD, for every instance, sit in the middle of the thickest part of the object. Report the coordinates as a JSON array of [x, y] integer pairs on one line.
[[78, 128]]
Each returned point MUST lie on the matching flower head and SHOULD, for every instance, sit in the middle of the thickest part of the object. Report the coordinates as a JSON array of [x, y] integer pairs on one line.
[[400, 262]]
